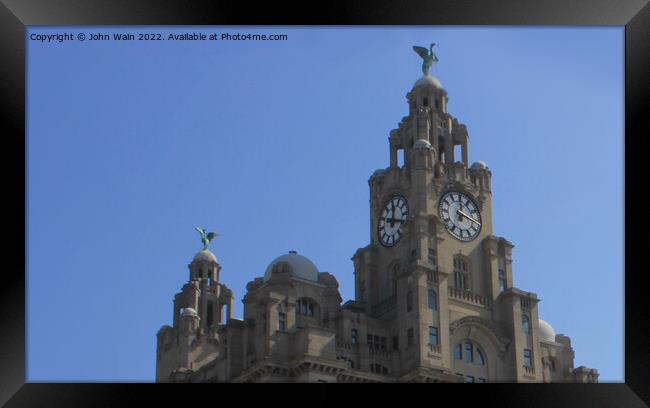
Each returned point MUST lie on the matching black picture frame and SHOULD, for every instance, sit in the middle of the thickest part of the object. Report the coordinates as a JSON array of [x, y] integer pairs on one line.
[[16, 15]]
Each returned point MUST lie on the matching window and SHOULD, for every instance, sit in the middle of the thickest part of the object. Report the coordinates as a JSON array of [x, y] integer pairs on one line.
[[482, 380], [479, 357], [437, 103], [348, 361], [409, 337], [502, 280], [425, 102], [525, 324], [528, 358], [304, 307], [433, 335], [395, 343], [282, 321], [354, 334], [378, 369], [433, 300], [414, 254], [210, 314], [460, 280], [264, 321], [362, 291], [458, 352], [469, 379], [376, 342], [469, 352], [409, 301], [432, 256]]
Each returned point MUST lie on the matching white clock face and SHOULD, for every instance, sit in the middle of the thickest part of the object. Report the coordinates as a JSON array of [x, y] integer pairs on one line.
[[392, 218], [460, 215]]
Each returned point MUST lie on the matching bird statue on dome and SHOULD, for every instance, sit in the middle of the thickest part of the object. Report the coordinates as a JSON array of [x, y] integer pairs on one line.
[[428, 57], [206, 236]]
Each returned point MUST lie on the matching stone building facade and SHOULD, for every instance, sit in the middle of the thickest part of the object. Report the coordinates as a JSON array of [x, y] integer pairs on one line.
[[435, 299]]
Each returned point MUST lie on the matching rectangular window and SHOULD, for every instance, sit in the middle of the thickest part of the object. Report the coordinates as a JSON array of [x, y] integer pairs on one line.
[[383, 343], [432, 255], [528, 358], [458, 352], [409, 301], [482, 380], [458, 280], [353, 336], [395, 343], [433, 335], [433, 301], [369, 339], [362, 292], [282, 321], [409, 337], [210, 314], [469, 379], [502, 280]]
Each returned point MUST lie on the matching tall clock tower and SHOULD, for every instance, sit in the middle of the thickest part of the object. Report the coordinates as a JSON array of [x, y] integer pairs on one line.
[[434, 299], [433, 258]]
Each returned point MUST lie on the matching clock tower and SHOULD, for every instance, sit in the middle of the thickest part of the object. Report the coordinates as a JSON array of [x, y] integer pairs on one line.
[[433, 258]]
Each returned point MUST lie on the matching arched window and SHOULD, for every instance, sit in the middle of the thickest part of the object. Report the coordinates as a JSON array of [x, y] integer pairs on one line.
[[469, 352], [480, 360], [525, 324]]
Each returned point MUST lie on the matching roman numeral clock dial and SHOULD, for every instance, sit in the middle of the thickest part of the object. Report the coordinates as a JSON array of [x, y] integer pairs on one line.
[[461, 215], [392, 218]]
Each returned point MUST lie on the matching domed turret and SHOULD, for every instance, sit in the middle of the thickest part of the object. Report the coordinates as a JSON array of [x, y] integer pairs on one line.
[[479, 165], [205, 255], [428, 81], [546, 331], [293, 264]]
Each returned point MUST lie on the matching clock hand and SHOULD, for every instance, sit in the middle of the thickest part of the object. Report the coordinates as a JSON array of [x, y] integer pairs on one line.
[[468, 217]]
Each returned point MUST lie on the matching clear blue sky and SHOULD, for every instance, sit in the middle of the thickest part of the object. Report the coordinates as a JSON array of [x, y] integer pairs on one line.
[[133, 144]]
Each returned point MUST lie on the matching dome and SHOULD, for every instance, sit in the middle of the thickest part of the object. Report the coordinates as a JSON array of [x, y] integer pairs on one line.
[[428, 81], [422, 144], [298, 266], [205, 255], [479, 165], [546, 331], [188, 311]]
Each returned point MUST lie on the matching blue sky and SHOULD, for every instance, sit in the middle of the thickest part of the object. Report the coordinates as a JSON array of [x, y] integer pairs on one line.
[[132, 144]]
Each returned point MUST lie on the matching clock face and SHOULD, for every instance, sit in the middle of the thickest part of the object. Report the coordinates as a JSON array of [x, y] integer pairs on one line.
[[392, 218], [460, 215]]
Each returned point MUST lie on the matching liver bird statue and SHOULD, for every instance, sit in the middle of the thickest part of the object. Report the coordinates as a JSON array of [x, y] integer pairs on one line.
[[206, 236], [428, 57]]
